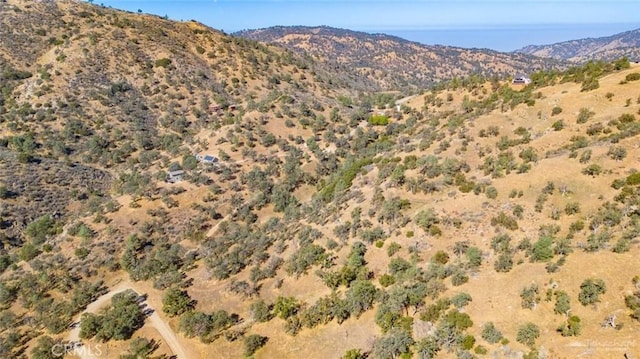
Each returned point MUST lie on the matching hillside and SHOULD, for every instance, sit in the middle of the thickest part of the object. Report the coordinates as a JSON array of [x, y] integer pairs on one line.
[[581, 50], [395, 63], [167, 189]]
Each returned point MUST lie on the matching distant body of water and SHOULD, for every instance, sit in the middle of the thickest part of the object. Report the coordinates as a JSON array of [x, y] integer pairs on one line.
[[508, 38]]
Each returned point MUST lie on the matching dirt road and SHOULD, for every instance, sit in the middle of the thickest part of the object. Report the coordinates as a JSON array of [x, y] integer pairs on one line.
[[168, 335]]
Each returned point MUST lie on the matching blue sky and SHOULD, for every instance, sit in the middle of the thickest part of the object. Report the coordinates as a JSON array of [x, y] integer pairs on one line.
[[397, 16]]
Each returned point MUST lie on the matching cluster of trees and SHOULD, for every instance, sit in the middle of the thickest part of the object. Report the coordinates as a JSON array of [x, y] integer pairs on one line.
[[147, 258], [118, 322], [207, 327]]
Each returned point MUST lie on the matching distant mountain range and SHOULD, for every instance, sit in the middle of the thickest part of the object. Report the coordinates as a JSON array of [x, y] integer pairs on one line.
[[393, 62], [601, 48]]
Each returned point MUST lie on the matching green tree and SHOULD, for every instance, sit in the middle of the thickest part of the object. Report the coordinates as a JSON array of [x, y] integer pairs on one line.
[[360, 297], [260, 311], [585, 115], [427, 218], [196, 324], [542, 250], [571, 328], [189, 162], [119, 321], [44, 349], [39, 229], [527, 334], [427, 348], [592, 170], [504, 263], [253, 342], [563, 303], [176, 302], [590, 291], [530, 296], [140, 348], [285, 307], [353, 354], [395, 343], [89, 325], [490, 333]]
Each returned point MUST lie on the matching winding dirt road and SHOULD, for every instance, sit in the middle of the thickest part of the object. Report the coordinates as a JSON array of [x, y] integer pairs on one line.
[[168, 335]]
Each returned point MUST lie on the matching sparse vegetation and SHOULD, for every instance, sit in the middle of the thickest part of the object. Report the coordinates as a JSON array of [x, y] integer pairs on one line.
[[229, 175]]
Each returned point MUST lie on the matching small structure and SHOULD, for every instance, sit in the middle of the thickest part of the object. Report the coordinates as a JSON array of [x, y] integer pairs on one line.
[[175, 176], [207, 159], [521, 80]]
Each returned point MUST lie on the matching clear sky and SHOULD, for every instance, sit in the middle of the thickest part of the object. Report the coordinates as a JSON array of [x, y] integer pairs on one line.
[[400, 16]]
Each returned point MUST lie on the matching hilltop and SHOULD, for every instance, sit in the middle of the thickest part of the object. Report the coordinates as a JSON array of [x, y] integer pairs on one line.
[[393, 62], [581, 50], [304, 216]]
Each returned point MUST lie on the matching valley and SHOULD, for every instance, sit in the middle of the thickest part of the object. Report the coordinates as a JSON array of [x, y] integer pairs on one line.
[[344, 209]]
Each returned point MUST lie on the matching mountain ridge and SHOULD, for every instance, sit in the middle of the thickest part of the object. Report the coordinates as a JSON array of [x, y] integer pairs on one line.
[[604, 48], [396, 62]]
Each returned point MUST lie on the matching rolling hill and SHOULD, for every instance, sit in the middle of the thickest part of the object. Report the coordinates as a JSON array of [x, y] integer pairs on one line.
[[395, 63], [307, 216], [580, 50]]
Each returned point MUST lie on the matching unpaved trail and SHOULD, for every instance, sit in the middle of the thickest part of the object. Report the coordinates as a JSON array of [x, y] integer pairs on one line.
[[168, 335]]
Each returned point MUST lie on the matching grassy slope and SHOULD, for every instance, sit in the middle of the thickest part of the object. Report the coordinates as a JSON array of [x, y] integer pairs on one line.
[[495, 302]]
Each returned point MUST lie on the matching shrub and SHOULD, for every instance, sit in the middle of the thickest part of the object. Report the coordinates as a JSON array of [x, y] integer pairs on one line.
[[505, 220], [39, 229], [556, 110], [558, 125], [542, 250], [590, 291], [379, 120], [632, 77], [490, 333], [572, 208], [584, 115], [571, 327], [461, 300], [386, 280], [632, 301], [260, 311], [527, 334], [28, 252], [353, 354], [590, 83], [491, 192], [81, 252], [617, 153], [633, 179], [253, 342], [592, 170], [530, 297], [286, 307], [563, 303], [163, 62], [504, 263], [393, 248], [441, 257]]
